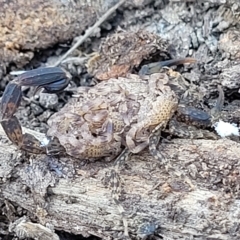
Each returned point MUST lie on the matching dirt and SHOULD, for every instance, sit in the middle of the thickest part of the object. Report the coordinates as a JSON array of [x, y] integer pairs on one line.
[[206, 30]]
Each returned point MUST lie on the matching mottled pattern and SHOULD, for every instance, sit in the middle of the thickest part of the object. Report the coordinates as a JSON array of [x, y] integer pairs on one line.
[[121, 52], [119, 112], [26, 26]]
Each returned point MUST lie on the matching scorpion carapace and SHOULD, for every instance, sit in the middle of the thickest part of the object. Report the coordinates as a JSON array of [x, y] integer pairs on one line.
[[52, 80]]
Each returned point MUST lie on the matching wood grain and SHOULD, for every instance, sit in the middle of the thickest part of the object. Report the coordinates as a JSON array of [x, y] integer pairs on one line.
[[193, 195]]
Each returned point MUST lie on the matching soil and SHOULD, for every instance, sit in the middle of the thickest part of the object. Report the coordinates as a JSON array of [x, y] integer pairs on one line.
[[206, 30]]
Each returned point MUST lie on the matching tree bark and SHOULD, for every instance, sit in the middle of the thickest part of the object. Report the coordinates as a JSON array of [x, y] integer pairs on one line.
[[194, 194], [27, 26]]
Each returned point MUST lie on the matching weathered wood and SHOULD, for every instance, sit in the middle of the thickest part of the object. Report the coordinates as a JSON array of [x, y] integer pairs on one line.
[[27, 26], [193, 195]]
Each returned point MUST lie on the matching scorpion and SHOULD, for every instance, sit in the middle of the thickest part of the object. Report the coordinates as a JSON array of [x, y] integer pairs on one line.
[[111, 114], [55, 80]]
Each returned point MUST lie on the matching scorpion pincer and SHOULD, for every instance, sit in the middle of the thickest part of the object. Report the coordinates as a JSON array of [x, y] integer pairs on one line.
[[52, 80]]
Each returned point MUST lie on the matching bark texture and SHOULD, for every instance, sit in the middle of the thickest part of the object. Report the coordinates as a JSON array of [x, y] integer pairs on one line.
[[194, 194], [27, 26]]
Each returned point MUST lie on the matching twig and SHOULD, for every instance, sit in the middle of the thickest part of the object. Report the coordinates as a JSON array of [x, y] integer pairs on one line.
[[89, 31]]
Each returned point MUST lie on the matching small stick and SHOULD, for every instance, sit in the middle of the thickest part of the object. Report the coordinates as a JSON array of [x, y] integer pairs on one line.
[[89, 31]]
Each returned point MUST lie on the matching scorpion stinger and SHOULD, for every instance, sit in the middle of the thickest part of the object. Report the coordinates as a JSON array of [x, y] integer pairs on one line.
[[52, 79]]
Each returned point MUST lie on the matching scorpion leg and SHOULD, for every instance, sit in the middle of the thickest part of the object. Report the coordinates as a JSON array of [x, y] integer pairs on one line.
[[154, 140], [157, 66], [216, 111], [115, 180]]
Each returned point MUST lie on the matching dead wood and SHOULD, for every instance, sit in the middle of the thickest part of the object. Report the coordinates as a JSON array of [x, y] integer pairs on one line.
[[193, 195], [27, 26]]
